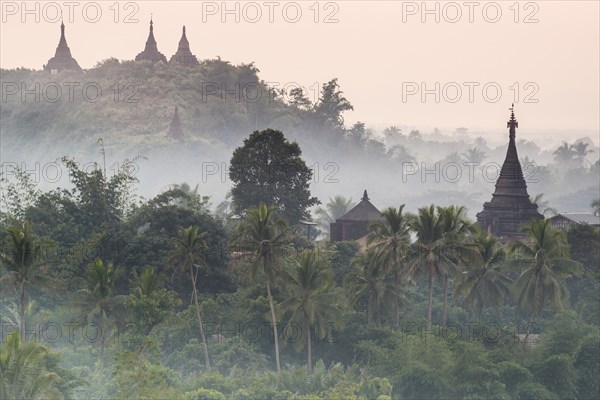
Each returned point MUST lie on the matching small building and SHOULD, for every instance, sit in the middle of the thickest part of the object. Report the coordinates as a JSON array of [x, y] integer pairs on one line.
[[353, 225], [566, 220], [151, 52], [184, 55], [62, 57]]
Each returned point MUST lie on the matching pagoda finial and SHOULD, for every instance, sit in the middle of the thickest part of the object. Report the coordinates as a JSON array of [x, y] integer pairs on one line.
[[365, 196], [151, 28], [512, 123]]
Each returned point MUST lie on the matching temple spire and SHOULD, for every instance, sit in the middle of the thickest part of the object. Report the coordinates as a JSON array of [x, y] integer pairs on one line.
[[512, 123], [510, 206], [151, 52], [62, 57], [183, 55], [175, 130], [365, 196]]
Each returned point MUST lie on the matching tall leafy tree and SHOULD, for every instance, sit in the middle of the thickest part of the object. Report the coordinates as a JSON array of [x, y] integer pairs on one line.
[[544, 258], [269, 169], [311, 299], [334, 209], [262, 233], [457, 230], [22, 258], [97, 303], [438, 247], [564, 154], [390, 238], [27, 371], [332, 104], [369, 283], [484, 283], [188, 251]]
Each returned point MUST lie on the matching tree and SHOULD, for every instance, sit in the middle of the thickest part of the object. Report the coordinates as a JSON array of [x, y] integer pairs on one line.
[[268, 169], [28, 371], [484, 284], [311, 299], [390, 238], [596, 207], [332, 104], [580, 150], [543, 205], [564, 154], [438, 246], [97, 303], [545, 257], [189, 246], [369, 282], [456, 230], [22, 258], [263, 233], [474, 155], [334, 209]]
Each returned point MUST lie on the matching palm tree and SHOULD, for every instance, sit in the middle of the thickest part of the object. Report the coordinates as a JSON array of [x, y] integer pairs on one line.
[[369, 282], [545, 255], [261, 232], [22, 259], [580, 150], [189, 245], [543, 205], [564, 154], [145, 283], [311, 298], [474, 155], [390, 238], [438, 246], [334, 209], [97, 302], [484, 284], [456, 229], [26, 374]]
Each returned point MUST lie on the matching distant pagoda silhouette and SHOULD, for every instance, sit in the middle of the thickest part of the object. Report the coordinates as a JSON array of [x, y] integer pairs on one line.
[[151, 52], [175, 130], [62, 58], [184, 56], [510, 206]]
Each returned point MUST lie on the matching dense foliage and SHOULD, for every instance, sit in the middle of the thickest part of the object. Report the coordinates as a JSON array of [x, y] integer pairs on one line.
[[106, 297]]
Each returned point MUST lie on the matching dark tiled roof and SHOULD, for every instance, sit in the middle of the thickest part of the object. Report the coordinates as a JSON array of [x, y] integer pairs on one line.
[[580, 218], [363, 211]]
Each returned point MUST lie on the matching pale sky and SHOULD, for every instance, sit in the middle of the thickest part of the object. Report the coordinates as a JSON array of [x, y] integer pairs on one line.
[[381, 51]]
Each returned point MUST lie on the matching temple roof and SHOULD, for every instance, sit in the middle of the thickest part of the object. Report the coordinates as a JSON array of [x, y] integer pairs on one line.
[[175, 130], [151, 52], [62, 58], [363, 211], [510, 206], [184, 56]]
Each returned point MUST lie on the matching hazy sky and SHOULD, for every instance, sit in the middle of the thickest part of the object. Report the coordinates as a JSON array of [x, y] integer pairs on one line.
[[382, 52]]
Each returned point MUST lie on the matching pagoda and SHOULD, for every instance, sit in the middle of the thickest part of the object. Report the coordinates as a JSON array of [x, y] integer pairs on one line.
[[510, 206], [354, 224], [151, 52], [184, 56], [175, 130], [62, 58]]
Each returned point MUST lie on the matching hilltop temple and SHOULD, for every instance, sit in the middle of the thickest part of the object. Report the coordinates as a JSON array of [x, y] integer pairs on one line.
[[510, 206], [62, 58], [151, 52], [353, 225], [184, 56]]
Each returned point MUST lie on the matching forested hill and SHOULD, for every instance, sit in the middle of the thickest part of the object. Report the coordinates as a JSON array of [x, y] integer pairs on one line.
[[218, 103]]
